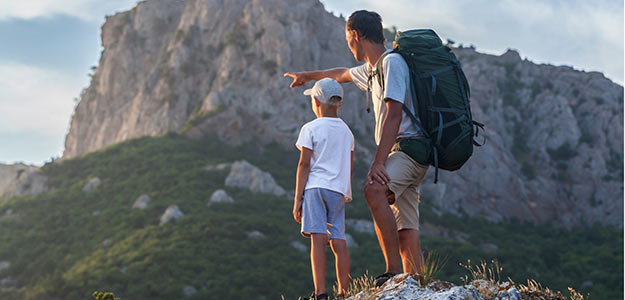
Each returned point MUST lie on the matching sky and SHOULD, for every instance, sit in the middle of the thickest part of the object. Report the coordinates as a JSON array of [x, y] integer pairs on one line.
[[49, 46]]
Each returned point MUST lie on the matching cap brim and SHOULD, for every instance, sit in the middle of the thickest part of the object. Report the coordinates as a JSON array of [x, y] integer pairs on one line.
[[308, 92]]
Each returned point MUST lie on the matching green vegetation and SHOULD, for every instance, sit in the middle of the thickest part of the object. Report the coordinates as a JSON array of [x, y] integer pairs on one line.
[[66, 251], [104, 296]]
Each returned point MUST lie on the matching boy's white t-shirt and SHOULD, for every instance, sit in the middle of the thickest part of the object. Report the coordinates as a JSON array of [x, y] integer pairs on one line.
[[332, 144], [397, 87]]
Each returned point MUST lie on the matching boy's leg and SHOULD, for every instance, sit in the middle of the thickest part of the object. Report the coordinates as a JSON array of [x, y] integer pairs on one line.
[[314, 225], [335, 203], [318, 243], [339, 247]]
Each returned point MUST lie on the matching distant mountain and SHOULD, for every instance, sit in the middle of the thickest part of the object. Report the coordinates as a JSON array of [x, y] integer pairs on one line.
[[554, 148]]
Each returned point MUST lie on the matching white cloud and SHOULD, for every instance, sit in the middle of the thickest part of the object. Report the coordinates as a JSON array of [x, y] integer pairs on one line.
[[585, 34], [88, 10], [36, 100]]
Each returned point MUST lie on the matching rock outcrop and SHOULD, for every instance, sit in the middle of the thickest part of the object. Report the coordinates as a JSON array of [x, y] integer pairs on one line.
[[172, 213], [142, 202], [245, 175], [21, 179], [404, 286], [554, 148], [220, 196], [91, 185]]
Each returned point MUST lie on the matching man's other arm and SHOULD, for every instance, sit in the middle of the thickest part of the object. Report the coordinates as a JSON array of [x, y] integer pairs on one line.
[[390, 128]]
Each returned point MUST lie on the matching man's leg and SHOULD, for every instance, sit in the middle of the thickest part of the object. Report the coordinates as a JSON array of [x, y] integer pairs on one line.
[[410, 250], [385, 225], [318, 242], [339, 247]]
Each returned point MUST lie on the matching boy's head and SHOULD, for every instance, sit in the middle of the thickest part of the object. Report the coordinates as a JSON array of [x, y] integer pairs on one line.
[[326, 96]]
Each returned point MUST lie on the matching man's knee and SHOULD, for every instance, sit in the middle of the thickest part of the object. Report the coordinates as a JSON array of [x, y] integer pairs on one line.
[[375, 193]]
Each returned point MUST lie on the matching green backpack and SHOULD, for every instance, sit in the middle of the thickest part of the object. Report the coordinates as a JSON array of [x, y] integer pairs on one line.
[[441, 100]]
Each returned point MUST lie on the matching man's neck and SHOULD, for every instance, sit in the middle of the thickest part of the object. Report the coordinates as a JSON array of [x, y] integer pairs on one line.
[[373, 52]]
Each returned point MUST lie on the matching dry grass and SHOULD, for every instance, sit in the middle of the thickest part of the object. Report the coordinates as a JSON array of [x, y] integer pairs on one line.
[[432, 265], [487, 279], [357, 285], [483, 271]]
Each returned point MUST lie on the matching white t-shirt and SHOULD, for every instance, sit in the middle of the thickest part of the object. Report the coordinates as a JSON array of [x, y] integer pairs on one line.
[[332, 144], [397, 87]]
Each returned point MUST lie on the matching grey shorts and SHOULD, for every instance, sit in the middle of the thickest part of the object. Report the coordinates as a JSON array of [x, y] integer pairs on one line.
[[323, 211], [406, 176]]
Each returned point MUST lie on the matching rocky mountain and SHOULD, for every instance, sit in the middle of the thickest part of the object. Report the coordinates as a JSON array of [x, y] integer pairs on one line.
[[554, 148]]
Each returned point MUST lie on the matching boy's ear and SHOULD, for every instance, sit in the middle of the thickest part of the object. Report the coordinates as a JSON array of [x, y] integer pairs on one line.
[[317, 103]]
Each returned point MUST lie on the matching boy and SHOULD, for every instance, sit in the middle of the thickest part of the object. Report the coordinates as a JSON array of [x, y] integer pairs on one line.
[[324, 183]]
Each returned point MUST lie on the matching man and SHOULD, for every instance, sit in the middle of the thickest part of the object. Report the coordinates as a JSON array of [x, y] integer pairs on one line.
[[394, 177]]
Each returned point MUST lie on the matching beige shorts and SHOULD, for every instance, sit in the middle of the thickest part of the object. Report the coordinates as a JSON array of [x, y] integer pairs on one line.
[[406, 175]]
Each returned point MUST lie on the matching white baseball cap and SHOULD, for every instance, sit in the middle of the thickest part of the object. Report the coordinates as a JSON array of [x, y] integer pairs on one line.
[[324, 89]]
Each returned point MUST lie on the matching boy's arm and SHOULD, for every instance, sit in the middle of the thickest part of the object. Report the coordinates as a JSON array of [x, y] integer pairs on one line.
[[351, 171], [303, 169], [341, 75]]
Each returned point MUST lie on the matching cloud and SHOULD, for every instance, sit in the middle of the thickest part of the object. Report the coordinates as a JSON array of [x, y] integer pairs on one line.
[[36, 99], [88, 10], [585, 34]]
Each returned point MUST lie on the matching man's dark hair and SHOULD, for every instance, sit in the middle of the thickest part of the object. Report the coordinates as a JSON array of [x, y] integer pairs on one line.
[[368, 24]]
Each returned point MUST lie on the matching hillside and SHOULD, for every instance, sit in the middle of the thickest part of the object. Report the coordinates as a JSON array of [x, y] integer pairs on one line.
[[82, 236], [214, 66]]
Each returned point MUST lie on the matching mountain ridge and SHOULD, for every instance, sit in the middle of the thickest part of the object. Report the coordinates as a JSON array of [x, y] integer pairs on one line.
[[207, 66]]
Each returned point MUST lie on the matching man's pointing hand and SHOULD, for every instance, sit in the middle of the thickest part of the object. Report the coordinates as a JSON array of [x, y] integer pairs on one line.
[[299, 79]]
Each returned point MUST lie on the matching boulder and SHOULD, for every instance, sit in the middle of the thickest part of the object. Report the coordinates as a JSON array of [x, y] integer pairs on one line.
[[361, 225], [351, 242], [189, 291], [21, 179], [4, 265], [255, 234], [245, 175], [142, 202], [220, 196], [217, 167], [299, 246], [171, 213], [92, 184]]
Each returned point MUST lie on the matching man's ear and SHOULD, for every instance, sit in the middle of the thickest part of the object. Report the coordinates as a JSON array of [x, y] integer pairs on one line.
[[355, 34]]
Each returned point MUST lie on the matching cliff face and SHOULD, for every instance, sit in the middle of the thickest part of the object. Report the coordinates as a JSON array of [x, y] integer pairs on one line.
[[555, 135], [168, 62]]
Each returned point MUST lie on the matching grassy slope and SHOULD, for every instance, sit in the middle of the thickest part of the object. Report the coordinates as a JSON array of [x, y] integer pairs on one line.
[[57, 247]]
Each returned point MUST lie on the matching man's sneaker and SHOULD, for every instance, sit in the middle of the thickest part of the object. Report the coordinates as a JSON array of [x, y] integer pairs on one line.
[[381, 279], [323, 296]]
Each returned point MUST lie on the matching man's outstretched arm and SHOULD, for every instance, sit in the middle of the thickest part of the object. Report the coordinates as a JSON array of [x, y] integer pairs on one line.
[[300, 78]]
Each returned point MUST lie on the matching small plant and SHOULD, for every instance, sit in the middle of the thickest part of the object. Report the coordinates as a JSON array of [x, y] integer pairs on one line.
[[432, 265], [104, 296], [483, 271], [357, 285]]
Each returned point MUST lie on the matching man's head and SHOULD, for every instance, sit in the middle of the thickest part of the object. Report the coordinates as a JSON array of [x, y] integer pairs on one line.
[[363, 27], [326, 95]]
